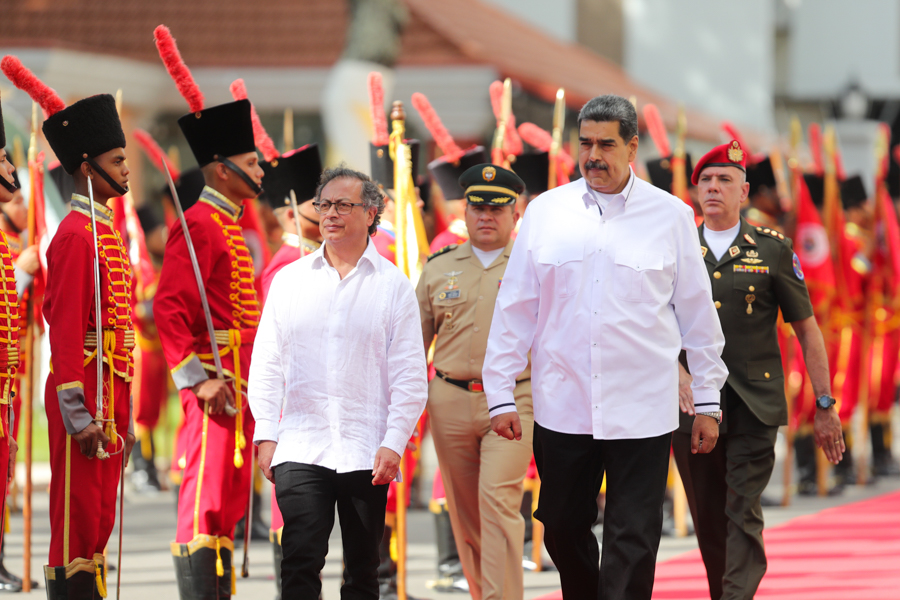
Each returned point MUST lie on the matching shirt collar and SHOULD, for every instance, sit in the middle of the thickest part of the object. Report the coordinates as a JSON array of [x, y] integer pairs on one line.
[[81, 204], [594, 197], [221, 202], [370, 255]]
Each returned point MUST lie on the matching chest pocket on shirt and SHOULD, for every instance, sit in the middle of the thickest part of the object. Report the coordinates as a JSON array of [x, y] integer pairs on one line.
[[639, 276], [451, 304], [755, 287], [563, 269]]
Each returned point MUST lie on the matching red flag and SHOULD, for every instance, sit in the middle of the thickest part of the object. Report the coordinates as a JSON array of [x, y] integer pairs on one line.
[[813, 249], [40, 235]]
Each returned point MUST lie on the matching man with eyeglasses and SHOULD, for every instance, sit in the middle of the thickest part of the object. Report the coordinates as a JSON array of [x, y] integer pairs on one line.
[[482, 472], [340, 342]]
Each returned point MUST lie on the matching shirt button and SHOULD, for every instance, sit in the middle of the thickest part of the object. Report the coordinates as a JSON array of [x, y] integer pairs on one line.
[[476, 328], [481, 297], [595, 312], [471, 361], [485, 272], [717, 275], [767, 375], [752, 289], [718, 304], [594, 344], [596, 376]]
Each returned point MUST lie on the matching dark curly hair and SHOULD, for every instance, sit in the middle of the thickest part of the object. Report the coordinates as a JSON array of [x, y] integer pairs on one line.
[[371, 194]]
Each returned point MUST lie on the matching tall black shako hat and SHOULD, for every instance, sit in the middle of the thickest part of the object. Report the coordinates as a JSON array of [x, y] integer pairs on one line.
[[761, 175], [213, 133], [446, 174], [382, 166], [298, 170], [660, 171], [534, 169], [491, 185], [815, 183], [11, 187], [77, 133], [853, 192]]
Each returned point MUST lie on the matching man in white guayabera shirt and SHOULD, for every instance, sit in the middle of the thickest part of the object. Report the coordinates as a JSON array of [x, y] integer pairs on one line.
[[340, 341], [605, 285]]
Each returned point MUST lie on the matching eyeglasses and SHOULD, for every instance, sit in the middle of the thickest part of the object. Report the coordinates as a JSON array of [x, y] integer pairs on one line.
[[343, 208]]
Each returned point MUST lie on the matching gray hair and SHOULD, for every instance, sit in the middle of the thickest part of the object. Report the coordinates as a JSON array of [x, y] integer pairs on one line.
[[371, 194], [611, 108]]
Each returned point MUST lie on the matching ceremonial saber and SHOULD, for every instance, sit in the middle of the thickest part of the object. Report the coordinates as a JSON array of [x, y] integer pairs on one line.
[[296, 209], [98, 323], [229, 410], [559, 118], [248, 519], [121, 521]]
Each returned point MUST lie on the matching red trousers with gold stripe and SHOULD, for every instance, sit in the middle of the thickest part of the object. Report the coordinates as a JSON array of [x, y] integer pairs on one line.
[[151, 387], [214, 493], [4, 461], [83, 490]]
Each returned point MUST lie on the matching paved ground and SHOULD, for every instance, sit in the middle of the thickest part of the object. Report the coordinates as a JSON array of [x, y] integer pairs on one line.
[[150, 523]]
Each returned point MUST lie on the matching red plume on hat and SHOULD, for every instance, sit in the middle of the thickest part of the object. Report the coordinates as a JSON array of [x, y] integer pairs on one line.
[[376, 105], [815, 147], [541, 140], [260, 136], [513, 143], [168, 52], [28, 82], [656, 127], [452, 152], [155, 153]]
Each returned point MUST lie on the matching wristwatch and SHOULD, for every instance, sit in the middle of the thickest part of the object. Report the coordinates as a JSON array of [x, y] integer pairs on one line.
[[825, 402], [715, 414]]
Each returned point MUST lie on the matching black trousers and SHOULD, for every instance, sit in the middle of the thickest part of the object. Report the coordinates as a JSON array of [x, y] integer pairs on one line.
[[307, 495], [571, 469], [723, 490]]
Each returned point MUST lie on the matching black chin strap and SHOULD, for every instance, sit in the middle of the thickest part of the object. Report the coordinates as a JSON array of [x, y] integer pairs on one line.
[[9, 185], [257, 189], [112, 183], [9, 222]]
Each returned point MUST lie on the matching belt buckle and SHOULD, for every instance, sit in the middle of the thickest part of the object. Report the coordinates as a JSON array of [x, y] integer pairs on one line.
[[476, 386]]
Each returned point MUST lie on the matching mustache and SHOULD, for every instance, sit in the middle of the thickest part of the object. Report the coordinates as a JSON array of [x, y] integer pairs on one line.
[[594, 164]]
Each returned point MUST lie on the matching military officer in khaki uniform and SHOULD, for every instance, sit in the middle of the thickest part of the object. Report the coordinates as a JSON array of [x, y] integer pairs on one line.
[[754, 273], [482, 472]]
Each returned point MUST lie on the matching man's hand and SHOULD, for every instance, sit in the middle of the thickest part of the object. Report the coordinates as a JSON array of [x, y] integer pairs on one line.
[[704, 434], [507, 425], [89, 437], [264, 453], [685, 395], [216, 392], [129, 444], [829, 437], [387, 463], [29, 261], [13, 448]]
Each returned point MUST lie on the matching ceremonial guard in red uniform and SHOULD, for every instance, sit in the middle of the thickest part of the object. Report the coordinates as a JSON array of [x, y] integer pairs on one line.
[[87, 442], [9, 350], [216, 484]]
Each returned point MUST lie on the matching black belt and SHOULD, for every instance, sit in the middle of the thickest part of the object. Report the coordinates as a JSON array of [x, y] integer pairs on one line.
[[475, 385]]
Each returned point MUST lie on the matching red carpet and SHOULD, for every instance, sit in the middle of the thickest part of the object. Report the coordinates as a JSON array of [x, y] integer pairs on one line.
[[847, 552]]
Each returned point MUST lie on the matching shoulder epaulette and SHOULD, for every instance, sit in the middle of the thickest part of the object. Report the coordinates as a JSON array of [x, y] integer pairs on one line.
[[771, 233], [444, 250]]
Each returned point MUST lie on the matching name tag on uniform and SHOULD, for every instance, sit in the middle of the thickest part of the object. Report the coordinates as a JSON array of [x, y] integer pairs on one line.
[[760, 269], [448, 295]]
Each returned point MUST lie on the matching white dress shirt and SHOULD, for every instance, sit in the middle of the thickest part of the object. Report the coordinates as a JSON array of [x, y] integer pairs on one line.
[[345, 356], [605, 303]]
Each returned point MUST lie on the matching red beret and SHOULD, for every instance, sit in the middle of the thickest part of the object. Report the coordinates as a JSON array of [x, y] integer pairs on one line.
[[726, 155]]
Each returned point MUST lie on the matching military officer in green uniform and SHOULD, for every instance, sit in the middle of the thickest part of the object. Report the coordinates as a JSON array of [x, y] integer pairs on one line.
[[754, 273]]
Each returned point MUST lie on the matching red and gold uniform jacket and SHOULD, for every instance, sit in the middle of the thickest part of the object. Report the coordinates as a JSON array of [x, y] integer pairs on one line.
[[226, 267], [70, 313], [288, 253], [9, 332]]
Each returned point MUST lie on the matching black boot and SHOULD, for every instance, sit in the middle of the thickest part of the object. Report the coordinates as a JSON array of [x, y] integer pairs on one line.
[[883, 462], [450, 571], [80, 585], [195, 571], [277, 556], [145, 477], [805, 452], [229, 576], [10, 583]]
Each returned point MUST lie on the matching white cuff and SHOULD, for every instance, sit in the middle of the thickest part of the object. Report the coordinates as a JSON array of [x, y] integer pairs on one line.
[[265, 431], [706, 400], [394, 440], [502, 402]]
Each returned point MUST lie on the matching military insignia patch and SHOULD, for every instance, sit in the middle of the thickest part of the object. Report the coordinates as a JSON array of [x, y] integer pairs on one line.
[[734, 251], [750, 239], [488, 173], [703, 251], [449, 295], [752, 261], [759, 269], [752, 254], [798, 271], [735, 154]]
